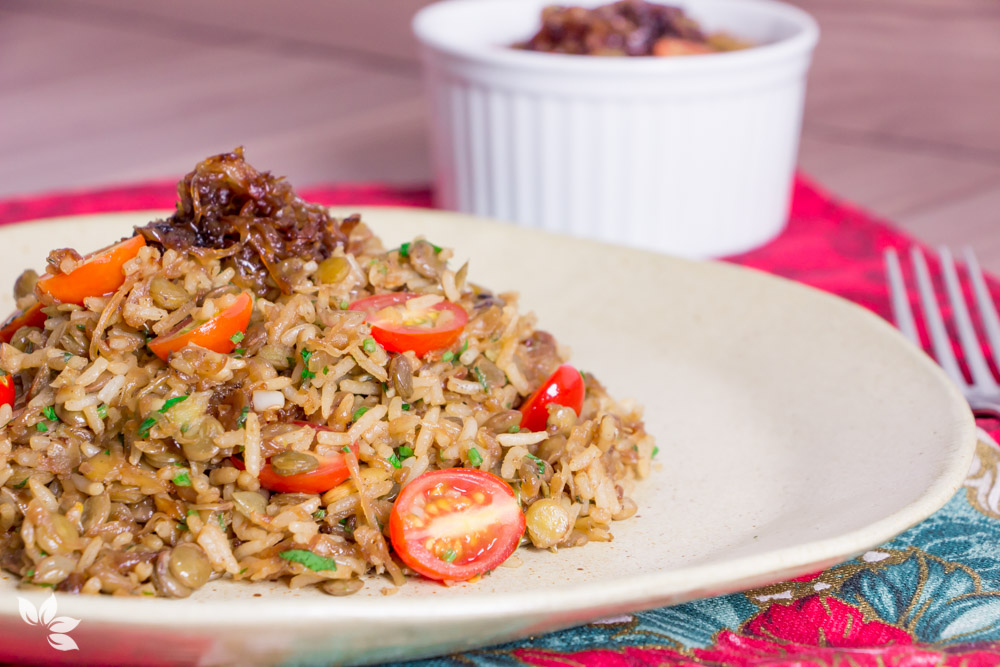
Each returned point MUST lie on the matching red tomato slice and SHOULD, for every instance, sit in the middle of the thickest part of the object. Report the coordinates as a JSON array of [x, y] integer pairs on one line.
[[564, 387], [454, 524], [332, 471], [6, 390], [32, 317], [215, 334], [102, 273], [436, 328]]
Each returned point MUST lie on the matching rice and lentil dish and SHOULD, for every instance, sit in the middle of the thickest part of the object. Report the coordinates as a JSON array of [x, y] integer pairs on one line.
[[253, 389]]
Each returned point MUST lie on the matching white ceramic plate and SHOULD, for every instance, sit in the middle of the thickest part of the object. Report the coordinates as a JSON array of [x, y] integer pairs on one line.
[[795, 431]]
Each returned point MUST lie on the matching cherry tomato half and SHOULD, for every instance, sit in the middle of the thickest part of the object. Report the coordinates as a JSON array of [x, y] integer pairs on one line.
[[564, 387], [32, 317], [331, 471], [6, 390], [216, 334], [101, 273], [454, 524], [400, 329]]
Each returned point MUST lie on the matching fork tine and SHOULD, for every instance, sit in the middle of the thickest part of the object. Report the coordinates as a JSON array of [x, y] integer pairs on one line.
[[932, 317], [981, 375], [987, 310], [901, 311]]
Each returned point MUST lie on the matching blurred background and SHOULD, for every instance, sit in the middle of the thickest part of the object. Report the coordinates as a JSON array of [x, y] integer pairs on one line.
[[902, 116]]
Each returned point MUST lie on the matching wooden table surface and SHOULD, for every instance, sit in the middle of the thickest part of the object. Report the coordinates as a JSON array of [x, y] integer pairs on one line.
[[903, 112]]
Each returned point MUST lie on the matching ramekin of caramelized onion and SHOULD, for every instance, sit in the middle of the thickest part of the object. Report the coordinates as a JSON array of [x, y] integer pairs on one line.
[[667, 126]]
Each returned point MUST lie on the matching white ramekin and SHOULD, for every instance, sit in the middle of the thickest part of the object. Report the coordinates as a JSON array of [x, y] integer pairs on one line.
[[686, 155]]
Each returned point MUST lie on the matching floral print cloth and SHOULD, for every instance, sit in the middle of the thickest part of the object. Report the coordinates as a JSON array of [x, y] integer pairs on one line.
[[929, 597]]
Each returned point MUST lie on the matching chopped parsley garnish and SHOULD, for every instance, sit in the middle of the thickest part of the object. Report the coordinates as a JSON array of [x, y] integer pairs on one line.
[[656, 450], [369, 345], [475, 458], [319, 514], [405, 407], [309, 559], [20, 485], [182, 479], [465, 346], [241, 421], [240, 351], [102, 411], [514, 429], [148, 593], [190, 512], [305, 355], [30, 573], [306, 373], [582, 376], [344, 305], [405, 452], [107, 452], [346, 449], [449, 556], [67, 356], [482, 379], [236, 337], [343, 522], [145, 426], [222, 522], [357, 413], [448, 356], [538, 462], [50, 413], [394, 460], [81, 327], [41, 427], [326, 369], [171, 402]]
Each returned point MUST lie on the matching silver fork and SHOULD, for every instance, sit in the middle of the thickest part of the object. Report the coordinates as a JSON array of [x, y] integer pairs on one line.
[[983, 392]]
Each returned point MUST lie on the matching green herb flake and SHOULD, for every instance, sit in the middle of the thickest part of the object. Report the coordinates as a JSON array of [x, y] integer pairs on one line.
[[148, 593], [514, 429], [243, 571], [20, 485], [344, 305], [448, 356], [475, 458], [405, 452], [171, 402], [449, 556], [538, 462], [29, 574], [190, 512], [465, 346], [241, 421], [81, 327], [182, 479], [482, 379], [319, 514], [582, 376], [222, 522], [102, 411], [185, 428], [41, 427], [404, 250], [307, 375], [346, 449], [656, 450], [394, 460], [405, 407], [236, 337], [50, 413], [107, 452], [309, 559], [46, 585], [326, 370], [369, 345], [67, 356], [145, 426], [343, 522], [44, 553], [357, 413], [240, 351], [305, 355]]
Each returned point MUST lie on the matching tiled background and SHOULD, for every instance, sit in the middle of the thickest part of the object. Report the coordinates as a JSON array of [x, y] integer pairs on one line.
[[903, 114]]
